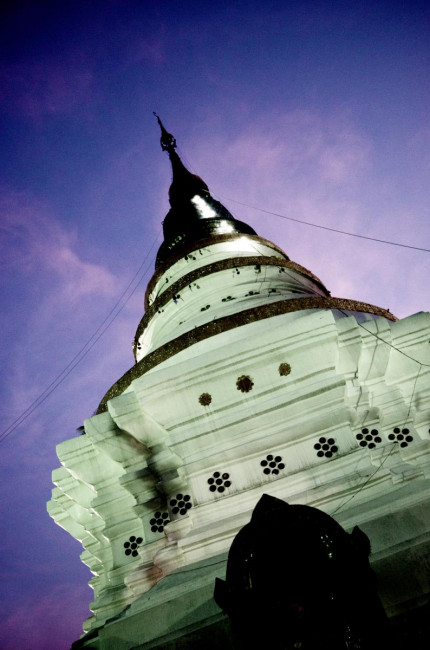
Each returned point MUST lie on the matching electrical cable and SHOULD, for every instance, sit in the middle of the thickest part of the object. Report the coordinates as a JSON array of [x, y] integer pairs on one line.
[[413, 393], [341, 505], [90, 343], [82, 353], [421, 364], [350, 234], [316, 225], [309, 223]]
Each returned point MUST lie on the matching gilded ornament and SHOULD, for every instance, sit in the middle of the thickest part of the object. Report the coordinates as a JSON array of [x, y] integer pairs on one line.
[[244, 383], [205, 399], [284, 369]]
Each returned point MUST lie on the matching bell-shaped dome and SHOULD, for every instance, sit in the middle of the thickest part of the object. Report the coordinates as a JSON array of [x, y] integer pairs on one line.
[[194, 214]]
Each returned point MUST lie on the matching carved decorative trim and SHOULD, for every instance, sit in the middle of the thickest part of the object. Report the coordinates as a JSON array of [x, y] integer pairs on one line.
[[230, 263], [203, 243], [231, 322]]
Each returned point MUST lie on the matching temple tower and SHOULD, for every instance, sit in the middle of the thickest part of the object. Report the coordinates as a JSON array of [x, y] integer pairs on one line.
[[249, 379]]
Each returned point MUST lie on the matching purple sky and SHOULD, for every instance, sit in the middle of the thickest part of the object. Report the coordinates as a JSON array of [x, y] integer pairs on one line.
[[319, 111]]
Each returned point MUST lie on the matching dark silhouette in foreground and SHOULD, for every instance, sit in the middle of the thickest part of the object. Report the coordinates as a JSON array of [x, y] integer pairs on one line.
[[296, 579]]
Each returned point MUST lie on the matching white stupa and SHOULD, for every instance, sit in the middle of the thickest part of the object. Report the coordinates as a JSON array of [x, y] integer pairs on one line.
[[249, 379]]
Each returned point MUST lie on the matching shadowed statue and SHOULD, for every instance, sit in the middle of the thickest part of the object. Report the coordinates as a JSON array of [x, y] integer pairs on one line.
[[296, 579]]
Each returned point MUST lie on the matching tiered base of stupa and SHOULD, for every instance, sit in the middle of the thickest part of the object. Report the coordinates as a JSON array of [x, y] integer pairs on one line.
[[311, 407]]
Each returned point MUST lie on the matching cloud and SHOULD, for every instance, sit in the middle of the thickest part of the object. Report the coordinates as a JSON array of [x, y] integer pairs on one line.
[[296, 155], [33, 241], [322, 170], [297, 164], [56, 298], [78, 277]]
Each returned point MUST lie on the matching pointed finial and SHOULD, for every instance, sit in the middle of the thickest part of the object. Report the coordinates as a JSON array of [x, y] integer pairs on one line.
[[167, 141], [194, 214]]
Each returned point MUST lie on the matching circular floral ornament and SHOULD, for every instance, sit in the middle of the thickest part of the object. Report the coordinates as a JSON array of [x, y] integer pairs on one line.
[[205, 399], [132, 545], [244, 383], [158, 521], [218, 482], [368, 438], [272, 464], [401, 436], [284, 369], [325, 447], [181, 504]]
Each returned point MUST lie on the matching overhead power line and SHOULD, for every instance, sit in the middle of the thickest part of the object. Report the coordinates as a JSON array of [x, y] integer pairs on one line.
[[317, 225], [84, 350], [309, 223], [380, 466], [106, 323]]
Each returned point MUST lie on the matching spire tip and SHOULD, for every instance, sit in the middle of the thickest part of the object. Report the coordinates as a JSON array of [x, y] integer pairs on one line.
[[167, 140]]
